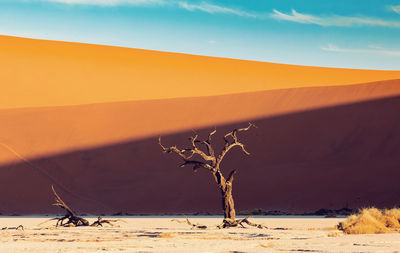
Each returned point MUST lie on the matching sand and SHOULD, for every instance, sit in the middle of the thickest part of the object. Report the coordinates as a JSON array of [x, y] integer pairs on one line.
[[163, 235], [50, 73], [320, 147], [36, 132]]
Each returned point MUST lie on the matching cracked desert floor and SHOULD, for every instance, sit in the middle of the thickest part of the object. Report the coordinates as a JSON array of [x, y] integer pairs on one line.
[[164, 235]]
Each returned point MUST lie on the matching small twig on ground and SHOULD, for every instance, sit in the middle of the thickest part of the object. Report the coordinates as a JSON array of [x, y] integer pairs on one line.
[[100, 221], [40, 224], [13, 228], [187, 221]]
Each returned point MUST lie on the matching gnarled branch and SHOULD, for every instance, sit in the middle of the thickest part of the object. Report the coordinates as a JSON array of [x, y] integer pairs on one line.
[[188, 153], [230, 144], [207, 142], [211, 161]]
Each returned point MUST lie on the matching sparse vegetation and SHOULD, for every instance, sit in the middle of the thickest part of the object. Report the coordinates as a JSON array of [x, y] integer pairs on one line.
[[372, 221]]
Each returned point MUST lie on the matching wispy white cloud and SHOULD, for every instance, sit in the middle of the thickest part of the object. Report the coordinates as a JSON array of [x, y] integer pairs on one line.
[[204, 6], [212, 8], [380, 51], [333, 20], [296, 17], [108, 2], [395, 8], [200, 6]]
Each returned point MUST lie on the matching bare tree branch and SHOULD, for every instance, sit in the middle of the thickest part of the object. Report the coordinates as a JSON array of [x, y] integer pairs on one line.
[[71, 217], [229, 145], [174, 149], [61, 203], [188, 153], [230, 177], [207, 143], [196, 165], [211, 134]]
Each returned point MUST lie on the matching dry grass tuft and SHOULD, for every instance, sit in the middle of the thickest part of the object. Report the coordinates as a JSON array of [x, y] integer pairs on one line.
[[392, 218], [371, 221]]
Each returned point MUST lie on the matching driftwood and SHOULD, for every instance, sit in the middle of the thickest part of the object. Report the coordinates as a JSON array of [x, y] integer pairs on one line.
[[209, 160], [74, 220]]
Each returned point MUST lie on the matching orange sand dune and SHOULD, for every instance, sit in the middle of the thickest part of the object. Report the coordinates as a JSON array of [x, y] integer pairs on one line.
[[315, 147], [49, 73], [37, 132]]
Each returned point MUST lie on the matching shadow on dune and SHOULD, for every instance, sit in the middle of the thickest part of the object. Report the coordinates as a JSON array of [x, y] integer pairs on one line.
[[343, 156]]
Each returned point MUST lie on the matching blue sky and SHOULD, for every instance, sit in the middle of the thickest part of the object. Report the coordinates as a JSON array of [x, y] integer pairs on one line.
[[342, 33]]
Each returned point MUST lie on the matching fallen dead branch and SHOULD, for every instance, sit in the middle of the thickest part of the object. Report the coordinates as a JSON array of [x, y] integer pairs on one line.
[[187, 221], [13, 228], [225, 223], [233, 223], [73, 220], [100, 221]]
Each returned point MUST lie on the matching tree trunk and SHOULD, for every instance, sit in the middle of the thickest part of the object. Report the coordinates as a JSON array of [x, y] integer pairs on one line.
[[228, 204], [225, 187]]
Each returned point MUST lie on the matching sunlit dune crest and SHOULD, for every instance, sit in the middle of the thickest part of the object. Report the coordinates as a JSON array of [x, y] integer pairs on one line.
[[49, 73]]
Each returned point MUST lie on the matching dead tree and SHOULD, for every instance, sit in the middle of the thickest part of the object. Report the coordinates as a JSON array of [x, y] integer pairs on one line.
[[72, 219], [70, 216], [212, 162]]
